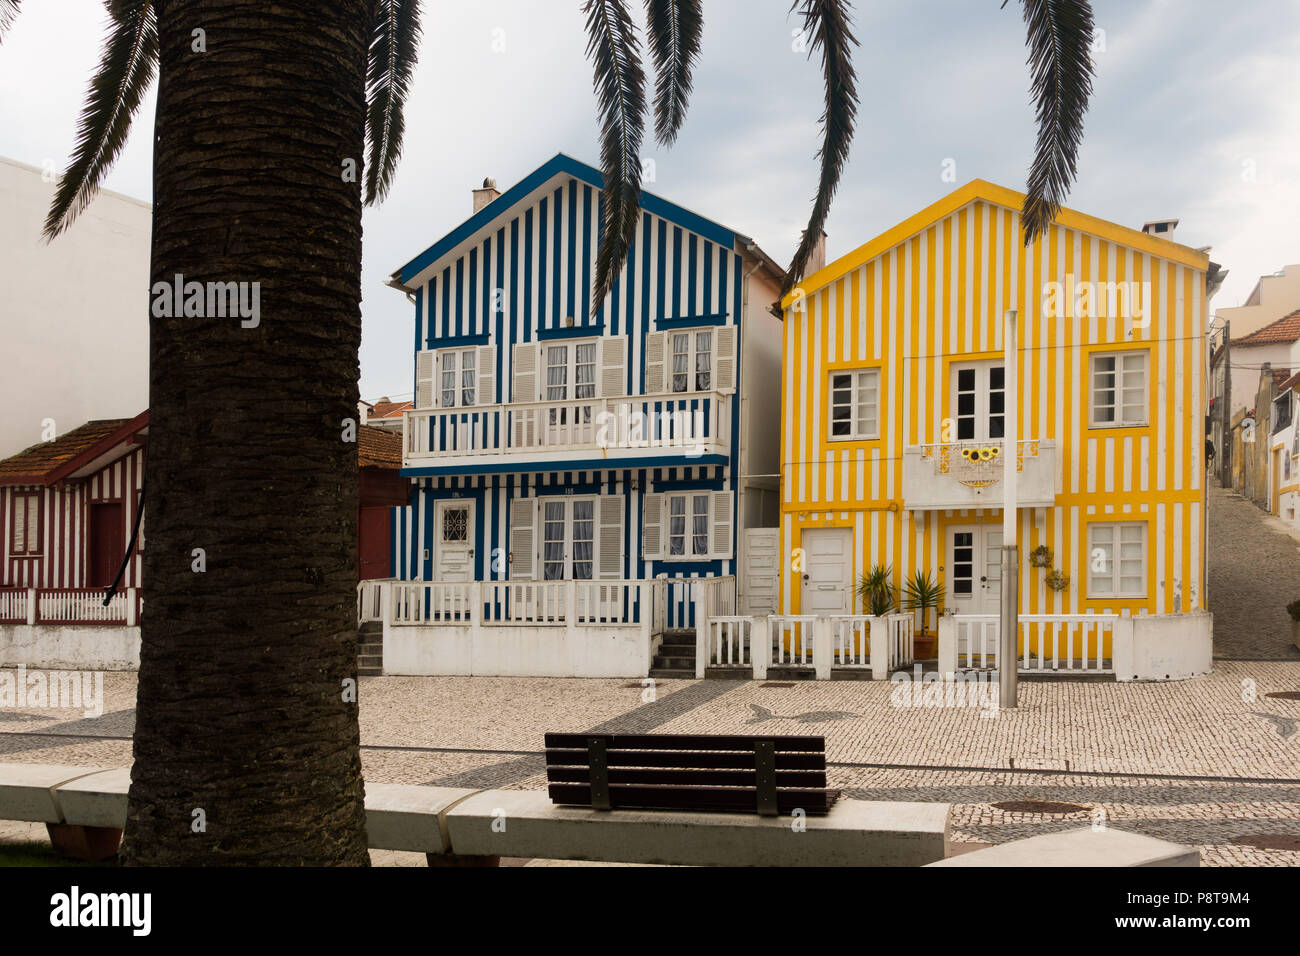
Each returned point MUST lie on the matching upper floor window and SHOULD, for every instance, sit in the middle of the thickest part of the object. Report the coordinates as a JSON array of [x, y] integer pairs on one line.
[[1119, 388], [25, 523], [692, 361], [457, 377], [570, 370], [855, 404], [1281, 412], [1117, 559], [980, 396]]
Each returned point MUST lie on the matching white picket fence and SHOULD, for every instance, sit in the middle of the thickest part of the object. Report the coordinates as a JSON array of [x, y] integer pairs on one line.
[[1047, 643], [69, 606], [822, 643]]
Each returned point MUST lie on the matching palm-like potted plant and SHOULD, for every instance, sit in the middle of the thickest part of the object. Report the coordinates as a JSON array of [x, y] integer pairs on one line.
[[876, 590], [921, 592]]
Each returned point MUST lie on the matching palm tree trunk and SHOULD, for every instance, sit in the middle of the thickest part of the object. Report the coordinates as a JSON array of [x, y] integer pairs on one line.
[[241, 711]]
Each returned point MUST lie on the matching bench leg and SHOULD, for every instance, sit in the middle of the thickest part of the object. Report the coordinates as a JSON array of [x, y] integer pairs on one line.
[[456, 859], [90, 844]]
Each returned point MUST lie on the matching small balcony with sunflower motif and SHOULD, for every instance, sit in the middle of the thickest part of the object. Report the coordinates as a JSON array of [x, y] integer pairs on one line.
[[968, 474]]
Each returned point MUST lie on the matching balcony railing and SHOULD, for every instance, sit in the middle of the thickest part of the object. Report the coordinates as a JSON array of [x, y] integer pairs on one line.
[[968, 474], [693, 424]]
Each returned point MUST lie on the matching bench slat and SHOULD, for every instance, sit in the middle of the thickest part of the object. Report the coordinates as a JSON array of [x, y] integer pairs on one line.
[[707, 742], [694, 798], [685, 759], [711, 778]]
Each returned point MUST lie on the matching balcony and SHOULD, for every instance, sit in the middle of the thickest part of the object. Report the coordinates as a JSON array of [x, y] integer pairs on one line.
[[968, 474], [593, 432]]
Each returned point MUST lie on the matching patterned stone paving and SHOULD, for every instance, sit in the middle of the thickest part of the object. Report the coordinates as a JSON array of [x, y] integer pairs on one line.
[[1126, 750]]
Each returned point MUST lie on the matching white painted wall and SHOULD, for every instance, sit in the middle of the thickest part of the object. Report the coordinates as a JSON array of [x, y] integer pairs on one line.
[[80, 647], [74, 313], [1163, 646], [517, 651], [1273, 297]]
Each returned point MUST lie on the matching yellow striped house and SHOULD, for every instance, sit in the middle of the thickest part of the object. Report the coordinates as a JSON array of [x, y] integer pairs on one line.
[[893, 401]]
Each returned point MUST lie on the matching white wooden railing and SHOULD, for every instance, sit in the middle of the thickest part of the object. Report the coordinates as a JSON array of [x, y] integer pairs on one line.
[[881, 644], [370, 600], [13, 605], [1047, 643], [730, 641], [850, 640], [526, 603], [677, 421], [792, 639]]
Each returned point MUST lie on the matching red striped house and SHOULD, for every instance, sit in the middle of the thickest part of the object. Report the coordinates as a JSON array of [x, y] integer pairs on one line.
[[68, 508]]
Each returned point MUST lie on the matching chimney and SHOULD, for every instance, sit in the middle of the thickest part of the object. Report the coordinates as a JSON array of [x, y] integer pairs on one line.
[[1160, 228], [817, 259], [486, 193]]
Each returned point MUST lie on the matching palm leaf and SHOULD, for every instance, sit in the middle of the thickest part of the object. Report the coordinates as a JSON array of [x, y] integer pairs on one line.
[[393, 46], [1060, 58], [675, 28], [125, 72], [8, 14], [620, 89], [828, 24]]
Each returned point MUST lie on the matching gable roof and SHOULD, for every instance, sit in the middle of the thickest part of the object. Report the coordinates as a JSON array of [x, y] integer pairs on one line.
[[48, 462], [1285, 329], [561, 166], [378, 447], [1001, 196], [386, 408]]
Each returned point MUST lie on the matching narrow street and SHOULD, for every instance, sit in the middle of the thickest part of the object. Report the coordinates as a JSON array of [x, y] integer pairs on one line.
[[1254, 573]]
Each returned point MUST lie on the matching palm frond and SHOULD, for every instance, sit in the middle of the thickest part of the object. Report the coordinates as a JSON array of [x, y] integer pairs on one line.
[[125, 71], [829, 26], [8, 14], [620, 89], [1060, 59], [675, 28], [393, 45]]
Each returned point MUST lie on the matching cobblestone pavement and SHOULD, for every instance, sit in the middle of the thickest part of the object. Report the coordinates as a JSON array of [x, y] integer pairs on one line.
[[1254, 573], [1203, 762]]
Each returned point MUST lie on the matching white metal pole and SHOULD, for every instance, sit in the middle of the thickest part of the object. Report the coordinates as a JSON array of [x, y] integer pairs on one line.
[[1008, 652]]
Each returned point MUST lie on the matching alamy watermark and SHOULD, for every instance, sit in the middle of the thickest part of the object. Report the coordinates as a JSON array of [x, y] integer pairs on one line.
[[207, 300], [21, 689]]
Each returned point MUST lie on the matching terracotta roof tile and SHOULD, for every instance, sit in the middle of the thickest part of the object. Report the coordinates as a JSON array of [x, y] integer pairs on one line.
[[40, 460], [389, 409], [1285, 329], [378, 447]]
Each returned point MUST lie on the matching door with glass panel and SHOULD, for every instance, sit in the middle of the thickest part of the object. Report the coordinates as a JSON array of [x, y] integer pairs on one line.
[[974, 565], [568, 546], [978, 405], [570, 378]]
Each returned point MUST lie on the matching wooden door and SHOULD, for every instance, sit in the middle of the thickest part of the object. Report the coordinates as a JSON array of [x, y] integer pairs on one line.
[[373, 543], [105, 545]]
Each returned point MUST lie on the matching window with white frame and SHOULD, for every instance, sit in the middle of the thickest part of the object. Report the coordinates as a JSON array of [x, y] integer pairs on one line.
[[1119, 388], [855, 404], [457, 377], [687, 525], [25, 523], [692, 358], [1117, 559]]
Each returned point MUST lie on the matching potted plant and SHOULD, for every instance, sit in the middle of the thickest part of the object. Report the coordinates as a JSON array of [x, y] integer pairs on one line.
[[876, 591], [923, 592], [1294, 610]]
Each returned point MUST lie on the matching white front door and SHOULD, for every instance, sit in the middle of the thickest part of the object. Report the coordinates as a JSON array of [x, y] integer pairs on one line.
[[453, 530], [979, 401], [974, 577], [828, 571]]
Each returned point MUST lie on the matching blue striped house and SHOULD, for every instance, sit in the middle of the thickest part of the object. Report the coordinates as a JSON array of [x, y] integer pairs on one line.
[[551, 441]]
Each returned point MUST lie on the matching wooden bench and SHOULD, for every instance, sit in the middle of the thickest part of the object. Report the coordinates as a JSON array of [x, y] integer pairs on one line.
[[770, 776]]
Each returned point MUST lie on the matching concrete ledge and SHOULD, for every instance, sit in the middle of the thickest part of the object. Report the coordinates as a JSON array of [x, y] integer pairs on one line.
[[96, 800], [406, 817], [27, 791], [524, 823], [1082, 847]]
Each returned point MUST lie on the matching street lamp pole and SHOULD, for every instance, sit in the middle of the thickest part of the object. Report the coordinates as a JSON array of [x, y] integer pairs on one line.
[[1009, 629]]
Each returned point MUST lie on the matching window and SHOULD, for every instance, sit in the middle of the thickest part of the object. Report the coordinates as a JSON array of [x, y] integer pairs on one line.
[[692, 361], [25, 523], [855, 404], [1281, 412], [980, 395], [1119, 389], [688, 525], [1117, 559], [457, 378]]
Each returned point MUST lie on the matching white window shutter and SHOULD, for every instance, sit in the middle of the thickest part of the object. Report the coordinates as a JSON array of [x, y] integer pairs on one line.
[[720, 524], [523, 549], [652, 529], [487, 375], [426, 370], [611, 536], [655, 342], [524, 362], [726, 357], [33, 522], [613, 366], [18, 537]]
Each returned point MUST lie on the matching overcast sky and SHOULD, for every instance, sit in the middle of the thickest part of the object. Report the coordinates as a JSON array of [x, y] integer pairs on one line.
[[1196, 115]]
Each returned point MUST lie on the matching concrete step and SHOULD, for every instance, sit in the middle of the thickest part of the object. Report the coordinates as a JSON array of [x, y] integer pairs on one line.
[[679, 635], [369, 647], [786, 672], [662, 673], [678, 650], [370, 660], [371, 627], [370, 672]]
